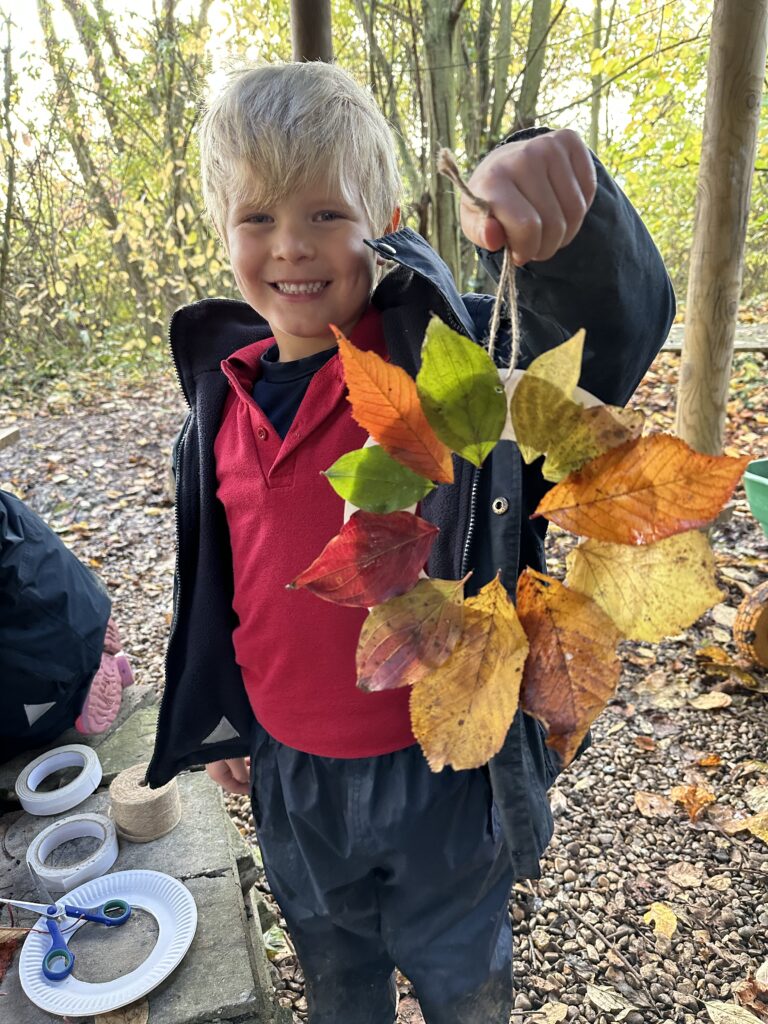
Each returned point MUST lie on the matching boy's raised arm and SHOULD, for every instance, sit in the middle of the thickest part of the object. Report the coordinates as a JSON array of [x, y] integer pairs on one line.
[[583, 256]]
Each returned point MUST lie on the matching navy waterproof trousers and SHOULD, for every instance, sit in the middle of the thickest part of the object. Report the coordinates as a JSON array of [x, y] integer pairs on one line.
[[378, 862]]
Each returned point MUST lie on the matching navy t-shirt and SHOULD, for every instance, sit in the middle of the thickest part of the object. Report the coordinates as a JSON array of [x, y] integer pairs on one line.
[[280, 388]]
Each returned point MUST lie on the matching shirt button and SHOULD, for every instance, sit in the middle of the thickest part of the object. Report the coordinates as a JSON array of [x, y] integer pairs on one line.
[[500, 506], [261, 434]]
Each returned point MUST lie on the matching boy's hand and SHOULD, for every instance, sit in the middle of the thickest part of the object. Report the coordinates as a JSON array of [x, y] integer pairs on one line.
[[232, 775], [539, 190]]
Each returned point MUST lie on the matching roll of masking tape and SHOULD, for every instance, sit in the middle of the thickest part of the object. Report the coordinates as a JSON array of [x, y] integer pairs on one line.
[[142, 814], [77, 826], [56, 801]]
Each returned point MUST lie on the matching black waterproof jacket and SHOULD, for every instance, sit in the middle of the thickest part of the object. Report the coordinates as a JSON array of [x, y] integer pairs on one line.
[[610, 280], [53, 617]]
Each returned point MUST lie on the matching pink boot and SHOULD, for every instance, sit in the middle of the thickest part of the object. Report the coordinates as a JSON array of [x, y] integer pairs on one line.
[[103, 701], [113, 643]]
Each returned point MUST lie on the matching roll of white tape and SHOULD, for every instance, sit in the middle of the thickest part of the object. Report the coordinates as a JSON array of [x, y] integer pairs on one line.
[[73, 755], [77, 826]]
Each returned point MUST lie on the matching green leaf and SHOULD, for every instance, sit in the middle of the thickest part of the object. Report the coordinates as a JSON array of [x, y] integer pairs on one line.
[[371, 479], [460, 393]]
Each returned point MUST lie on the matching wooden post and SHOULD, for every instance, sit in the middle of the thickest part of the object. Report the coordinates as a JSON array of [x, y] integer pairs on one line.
[[311, 30], [734, 88]]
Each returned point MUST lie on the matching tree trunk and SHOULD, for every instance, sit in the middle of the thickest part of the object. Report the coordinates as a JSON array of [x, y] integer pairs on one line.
[[440, 22], [525, 113], [734, 88], [311, 30], [10, 169], [597, 80], [501, 61]]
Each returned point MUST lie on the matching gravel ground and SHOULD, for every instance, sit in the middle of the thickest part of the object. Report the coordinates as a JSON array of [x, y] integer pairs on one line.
[[94, 466]]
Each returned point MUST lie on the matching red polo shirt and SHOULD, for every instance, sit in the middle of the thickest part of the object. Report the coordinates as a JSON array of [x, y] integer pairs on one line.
[[296, 651]]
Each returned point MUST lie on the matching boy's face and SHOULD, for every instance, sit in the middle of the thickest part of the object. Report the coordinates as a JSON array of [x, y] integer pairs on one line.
[[302, 264]]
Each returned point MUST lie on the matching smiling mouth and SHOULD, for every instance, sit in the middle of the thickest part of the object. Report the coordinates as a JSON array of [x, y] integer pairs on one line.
[[299, 287]]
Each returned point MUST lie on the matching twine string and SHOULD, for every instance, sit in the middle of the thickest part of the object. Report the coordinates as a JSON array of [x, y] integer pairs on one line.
[[142, 814], [447, 166]]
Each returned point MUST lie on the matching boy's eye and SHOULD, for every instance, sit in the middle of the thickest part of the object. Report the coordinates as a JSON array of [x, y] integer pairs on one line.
[[258, 218], [328, 215]]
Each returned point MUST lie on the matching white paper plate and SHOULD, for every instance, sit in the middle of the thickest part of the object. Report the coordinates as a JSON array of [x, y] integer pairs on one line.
[[166, 899]]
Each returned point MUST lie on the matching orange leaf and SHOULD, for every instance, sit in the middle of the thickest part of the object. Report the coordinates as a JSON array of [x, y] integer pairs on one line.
[[693, 798], [385, 403], [643, 491], [572, 668]]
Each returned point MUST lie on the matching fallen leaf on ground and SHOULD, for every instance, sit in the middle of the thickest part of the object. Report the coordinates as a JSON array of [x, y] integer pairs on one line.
[[643, 491], [685, 874], [749, 996], [761, 979], [647, 743], [728, 1013], [10, 940], [552, 1013], [710, 761], [693, 798], [663, 919], [756, 798], [651, 591], [608, 999], [719, 882], [711, 701], [385, 402], [752, 767], [653, 805], [136, 1013], [572, 668], [461, 713], [410, 636]]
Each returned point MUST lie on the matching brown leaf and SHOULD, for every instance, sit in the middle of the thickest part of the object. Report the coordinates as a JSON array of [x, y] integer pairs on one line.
[[653, 805], [410, 636], [647, 743], [693, 798], [572, 668], [685, 874], [710, 761], [10, 940]]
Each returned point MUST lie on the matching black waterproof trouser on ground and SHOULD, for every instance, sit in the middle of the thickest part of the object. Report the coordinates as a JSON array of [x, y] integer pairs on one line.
[[378, 862]]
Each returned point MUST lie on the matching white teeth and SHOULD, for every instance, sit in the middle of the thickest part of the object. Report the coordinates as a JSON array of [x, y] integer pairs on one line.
[[304, 288]]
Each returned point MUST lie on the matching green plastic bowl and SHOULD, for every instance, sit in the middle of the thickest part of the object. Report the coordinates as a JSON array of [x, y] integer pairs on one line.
[[756, 486]]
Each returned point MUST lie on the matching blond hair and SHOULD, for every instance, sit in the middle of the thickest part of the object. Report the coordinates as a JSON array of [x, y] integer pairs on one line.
[[277, 128]]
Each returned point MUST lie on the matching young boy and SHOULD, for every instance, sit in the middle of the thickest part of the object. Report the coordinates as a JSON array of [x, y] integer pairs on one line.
[[374, 860]]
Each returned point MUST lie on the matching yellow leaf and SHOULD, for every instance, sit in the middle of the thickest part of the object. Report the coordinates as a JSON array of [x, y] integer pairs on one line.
[[461, 712], [543, 396], [757, 825], [60, 288], [663, 919], [583, 434], [650, 591]]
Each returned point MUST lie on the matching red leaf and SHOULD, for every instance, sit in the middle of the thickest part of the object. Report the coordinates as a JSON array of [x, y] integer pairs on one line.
[[372, 558]]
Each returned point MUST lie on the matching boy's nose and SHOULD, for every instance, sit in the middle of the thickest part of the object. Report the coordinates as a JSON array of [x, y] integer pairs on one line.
[[292, 246]]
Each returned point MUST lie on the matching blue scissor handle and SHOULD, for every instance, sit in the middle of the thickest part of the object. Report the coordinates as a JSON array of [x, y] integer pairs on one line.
[[109, 913], [59, 960]]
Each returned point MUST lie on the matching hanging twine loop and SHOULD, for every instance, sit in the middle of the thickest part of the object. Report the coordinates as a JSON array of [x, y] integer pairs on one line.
[[447, 166], [142, 814]]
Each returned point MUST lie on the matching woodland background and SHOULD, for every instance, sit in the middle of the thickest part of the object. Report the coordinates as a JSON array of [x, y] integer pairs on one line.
[[102, 233]]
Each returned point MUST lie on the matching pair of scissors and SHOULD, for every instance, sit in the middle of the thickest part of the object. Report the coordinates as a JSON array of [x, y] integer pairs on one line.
[[59, 960]]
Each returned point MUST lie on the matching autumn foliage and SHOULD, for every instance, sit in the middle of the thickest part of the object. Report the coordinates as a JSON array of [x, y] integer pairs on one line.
[[643, 571]]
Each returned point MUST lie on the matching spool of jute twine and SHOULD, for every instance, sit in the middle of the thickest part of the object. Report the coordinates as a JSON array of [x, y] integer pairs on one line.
[[142, 814], [447, 166]]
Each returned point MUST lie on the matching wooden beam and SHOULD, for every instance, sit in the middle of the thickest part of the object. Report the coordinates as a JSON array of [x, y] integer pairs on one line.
[[311, 30], [734, 88]]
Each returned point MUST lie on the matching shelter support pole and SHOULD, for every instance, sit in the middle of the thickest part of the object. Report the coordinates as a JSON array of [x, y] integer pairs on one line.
[[311, 30]]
